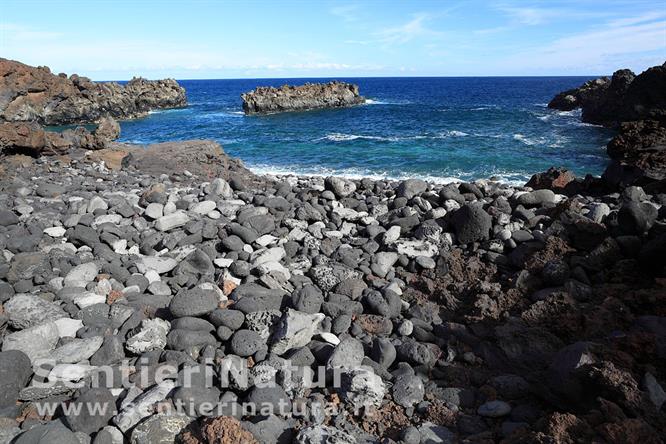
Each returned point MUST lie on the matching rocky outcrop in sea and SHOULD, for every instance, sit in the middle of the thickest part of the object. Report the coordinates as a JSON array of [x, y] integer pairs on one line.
[[268, 100], [34, 94], [636, 106]]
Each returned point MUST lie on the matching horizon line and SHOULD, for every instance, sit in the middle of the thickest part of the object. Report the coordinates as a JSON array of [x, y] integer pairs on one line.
[[367, 77]]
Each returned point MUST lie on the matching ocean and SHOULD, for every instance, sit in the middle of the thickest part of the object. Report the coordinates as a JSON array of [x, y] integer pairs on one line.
[[433, 128]]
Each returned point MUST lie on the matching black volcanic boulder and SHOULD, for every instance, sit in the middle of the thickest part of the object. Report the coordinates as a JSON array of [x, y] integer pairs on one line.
[[472, 223], [16, 371], [195, 302], [636, 218]]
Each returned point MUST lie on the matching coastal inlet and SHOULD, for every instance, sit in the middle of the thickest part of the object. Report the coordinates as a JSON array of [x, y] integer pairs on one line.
[[435, 128]]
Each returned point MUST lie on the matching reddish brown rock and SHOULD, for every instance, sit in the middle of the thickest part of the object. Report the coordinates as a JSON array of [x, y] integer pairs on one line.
[[639, 153], [30, 138], [559, 180], [34, 94], [220, 430], [204, 159]]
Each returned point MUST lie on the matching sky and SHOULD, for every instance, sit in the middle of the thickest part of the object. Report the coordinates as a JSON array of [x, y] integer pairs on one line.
[[116, 40]]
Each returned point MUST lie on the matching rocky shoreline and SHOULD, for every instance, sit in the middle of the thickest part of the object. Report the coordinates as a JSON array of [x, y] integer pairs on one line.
[[270, 100], [35, 95], [177, 291], [481, 309], [636, 106]]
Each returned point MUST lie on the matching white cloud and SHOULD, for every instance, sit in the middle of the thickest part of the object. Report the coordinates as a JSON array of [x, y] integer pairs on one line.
[[12, 32], [407, 31], [598, 50], [643, 18], [528, 16], [348, 13], [533, 15]]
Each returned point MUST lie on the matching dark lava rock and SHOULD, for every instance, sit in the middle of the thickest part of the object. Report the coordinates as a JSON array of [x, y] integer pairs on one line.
[[246, 343], [89, 420], [471, 223], [16, 371], [194, 302]]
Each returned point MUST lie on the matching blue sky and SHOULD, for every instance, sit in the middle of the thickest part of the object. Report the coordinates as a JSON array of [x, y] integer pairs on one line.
[[246, 39]]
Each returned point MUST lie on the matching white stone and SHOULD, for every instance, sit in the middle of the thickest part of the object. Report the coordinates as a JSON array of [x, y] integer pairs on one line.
[[220, 187], [171, 221], [142, 406], [87, 299], [169, 208], [107, 219], [383, 263], [223, 262], [204, 207], [81, 275], [97, 203], [363, 388], [273, 267], [160, 265], [120, 246], [103, 287], [265, 240], [67, 327], [295, 330], [152, 336], [154, 210], [415, 248], [349, 214], [152, 276], [55, 231], [329, 337], [392, 234], [275, 254]]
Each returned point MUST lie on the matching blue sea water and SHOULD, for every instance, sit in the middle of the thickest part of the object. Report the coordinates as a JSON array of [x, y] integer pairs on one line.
[[434, 128]]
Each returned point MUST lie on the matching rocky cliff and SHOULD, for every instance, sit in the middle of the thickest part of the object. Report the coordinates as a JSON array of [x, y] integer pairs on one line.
[[267, 100], [624, 97], [35, 94], [636, 106]]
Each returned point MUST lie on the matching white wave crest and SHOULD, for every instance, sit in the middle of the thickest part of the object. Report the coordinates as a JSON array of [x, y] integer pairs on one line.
[[527, 140], [348, 173], [454, 133], [342, 137]]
